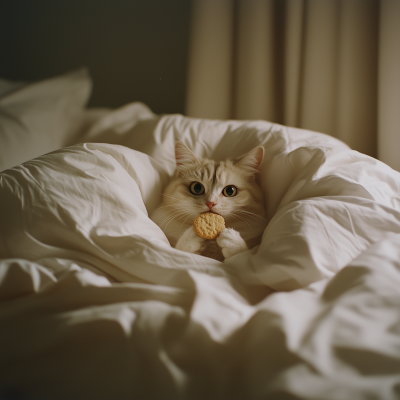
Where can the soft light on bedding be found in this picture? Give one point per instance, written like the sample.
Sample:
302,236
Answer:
95,303
39,117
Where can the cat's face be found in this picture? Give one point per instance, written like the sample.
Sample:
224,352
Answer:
226,188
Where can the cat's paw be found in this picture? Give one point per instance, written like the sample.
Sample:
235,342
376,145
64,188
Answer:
190,241
231,242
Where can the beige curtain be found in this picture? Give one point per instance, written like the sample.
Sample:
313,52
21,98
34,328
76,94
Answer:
331,66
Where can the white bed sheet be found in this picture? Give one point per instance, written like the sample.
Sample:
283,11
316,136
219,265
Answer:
96,304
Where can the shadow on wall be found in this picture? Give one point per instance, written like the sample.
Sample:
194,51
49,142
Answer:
136,50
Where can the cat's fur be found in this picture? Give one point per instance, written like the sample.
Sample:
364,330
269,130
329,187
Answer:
244,213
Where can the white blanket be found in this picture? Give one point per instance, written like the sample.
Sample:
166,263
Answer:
94,302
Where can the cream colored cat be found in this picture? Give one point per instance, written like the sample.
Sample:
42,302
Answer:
227,188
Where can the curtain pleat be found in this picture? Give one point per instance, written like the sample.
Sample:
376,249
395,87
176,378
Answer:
389,84
307,63
209,86
293,60
318,82
356,118
255,77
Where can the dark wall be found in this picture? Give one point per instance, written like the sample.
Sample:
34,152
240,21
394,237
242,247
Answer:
134,49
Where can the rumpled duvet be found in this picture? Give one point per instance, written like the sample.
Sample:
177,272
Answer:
96,304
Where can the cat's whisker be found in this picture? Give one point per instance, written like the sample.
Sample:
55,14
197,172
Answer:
175,212
168,216
186,218
176,216
249,212
171,205
176,208
258,218
167,221
231,215
239,218
170,197
247,215
262,223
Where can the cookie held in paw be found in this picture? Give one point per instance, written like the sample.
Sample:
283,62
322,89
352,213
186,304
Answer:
209,225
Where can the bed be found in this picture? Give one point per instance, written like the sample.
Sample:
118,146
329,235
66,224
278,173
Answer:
94,302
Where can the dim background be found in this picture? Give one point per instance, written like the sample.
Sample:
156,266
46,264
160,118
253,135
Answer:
134,49
331,66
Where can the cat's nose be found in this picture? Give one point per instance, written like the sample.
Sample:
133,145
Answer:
210,204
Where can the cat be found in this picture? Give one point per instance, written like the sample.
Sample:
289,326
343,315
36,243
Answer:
228,188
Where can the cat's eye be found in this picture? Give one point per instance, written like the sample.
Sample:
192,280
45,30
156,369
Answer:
197,188
229,191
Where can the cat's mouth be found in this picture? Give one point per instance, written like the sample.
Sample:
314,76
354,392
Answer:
214,212
211,211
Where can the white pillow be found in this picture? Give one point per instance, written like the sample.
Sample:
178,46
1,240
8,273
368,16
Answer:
6,87
40,117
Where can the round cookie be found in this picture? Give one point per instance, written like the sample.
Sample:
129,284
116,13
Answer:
209,225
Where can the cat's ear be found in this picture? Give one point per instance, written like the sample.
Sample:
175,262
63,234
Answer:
251,161
183,155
